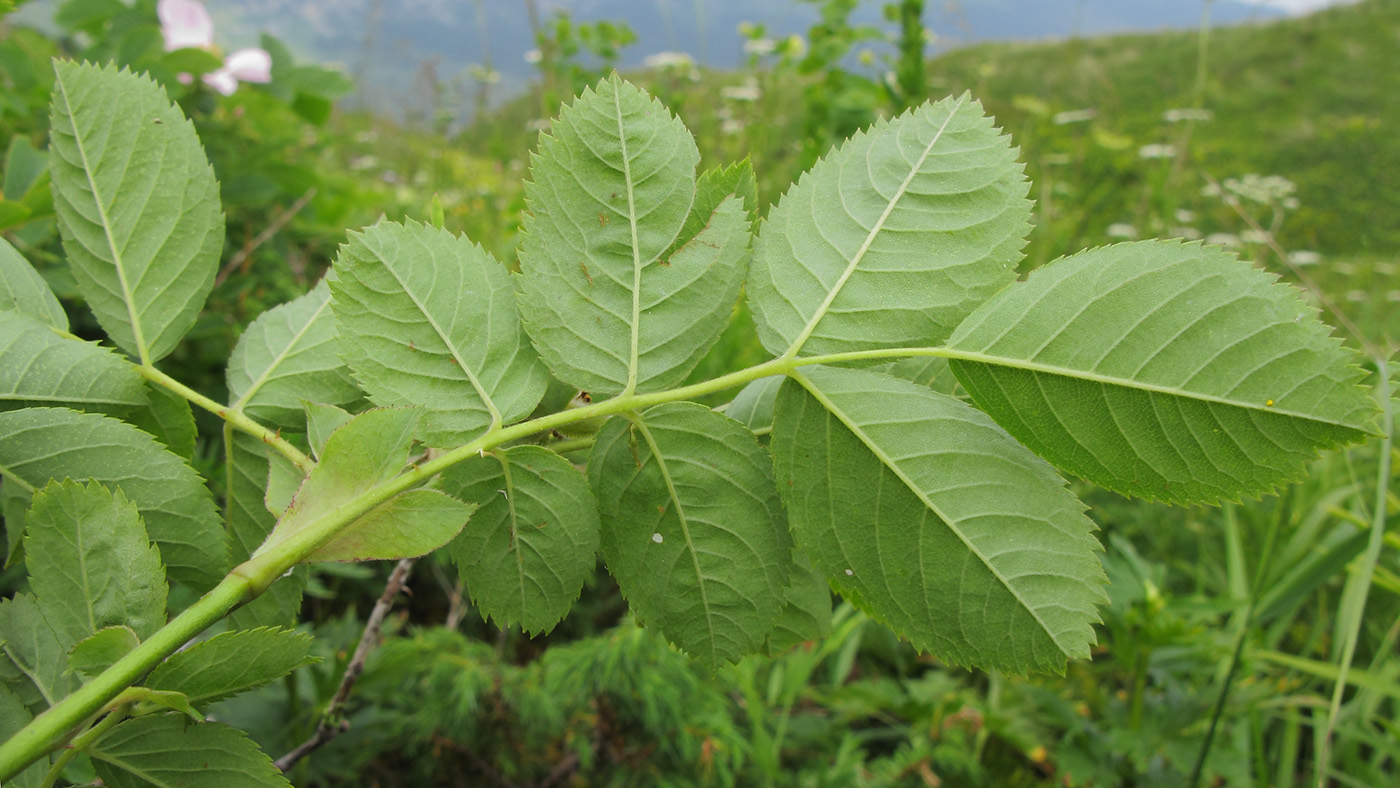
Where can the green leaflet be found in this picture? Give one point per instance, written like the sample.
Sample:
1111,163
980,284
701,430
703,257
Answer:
248,523
533,541
23,290
39,367
39,444
290,353
1163,370
428,319
920,509
169,751
692,528
168,417
894,238
13,716
232,662
611,188
321,421
90,563
806,613
753,405
101,650
369,450
37,667
137,205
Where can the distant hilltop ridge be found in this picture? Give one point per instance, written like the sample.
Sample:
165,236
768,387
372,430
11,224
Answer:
385,43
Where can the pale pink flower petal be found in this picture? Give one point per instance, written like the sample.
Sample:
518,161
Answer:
249,65
185,24
222,80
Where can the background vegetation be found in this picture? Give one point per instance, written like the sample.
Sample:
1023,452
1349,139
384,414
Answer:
1219,657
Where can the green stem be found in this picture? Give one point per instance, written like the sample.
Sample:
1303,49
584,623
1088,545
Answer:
274,559
233,416
80,743
45,732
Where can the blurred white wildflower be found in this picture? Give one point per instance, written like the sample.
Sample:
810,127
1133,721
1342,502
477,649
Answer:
366,162
1392,296
185,24
760,46
1255,237
1074,116
484,75
1263,189
1189,233
749,91
534,56
1345,269
1178,115
1384,269
1184,216
538,124
662,61
389,176
1223,239
731,126
1157,151
367,136
1122,230
1304,257
1357,296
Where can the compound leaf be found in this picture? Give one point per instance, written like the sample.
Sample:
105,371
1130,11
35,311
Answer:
290,353
894,238
23,290
39,367
921,510
533,542
90,562
232,662
169,751
137,203
1163,370
40,444
611,188
692,527
428,319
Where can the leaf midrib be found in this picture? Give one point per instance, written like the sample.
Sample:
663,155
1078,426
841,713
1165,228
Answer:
909,484
685,529
496,419
875,230
633,362
1154,388
127,297
281,356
